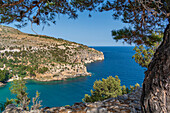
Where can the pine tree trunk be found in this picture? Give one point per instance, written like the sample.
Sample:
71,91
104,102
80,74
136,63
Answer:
156,86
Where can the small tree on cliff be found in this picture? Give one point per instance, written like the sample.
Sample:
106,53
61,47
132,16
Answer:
19,88
104,89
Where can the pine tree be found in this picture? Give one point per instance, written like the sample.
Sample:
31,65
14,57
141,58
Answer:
42,11
146,17
144,54
104,89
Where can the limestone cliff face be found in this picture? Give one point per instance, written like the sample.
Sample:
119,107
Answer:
43,58
61,72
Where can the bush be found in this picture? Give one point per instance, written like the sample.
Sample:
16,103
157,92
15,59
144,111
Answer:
42,70
4,75
104,89
126,90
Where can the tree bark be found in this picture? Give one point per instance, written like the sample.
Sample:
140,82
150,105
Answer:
156,86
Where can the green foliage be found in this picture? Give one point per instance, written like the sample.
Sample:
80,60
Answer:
143,16
144,54
36,103
19,88
104,89
134,87
124,90
2,48
4,75
42,70
108,88
29,62
127,90
137,85
3,105
1,65
42,11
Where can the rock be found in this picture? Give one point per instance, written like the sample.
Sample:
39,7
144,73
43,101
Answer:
34,111
124,97
2,84
128,103
11,108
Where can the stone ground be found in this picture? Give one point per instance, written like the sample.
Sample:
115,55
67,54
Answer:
128,103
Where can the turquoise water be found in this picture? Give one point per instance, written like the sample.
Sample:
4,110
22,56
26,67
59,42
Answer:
118,61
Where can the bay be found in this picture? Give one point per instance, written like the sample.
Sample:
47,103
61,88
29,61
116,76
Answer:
118,61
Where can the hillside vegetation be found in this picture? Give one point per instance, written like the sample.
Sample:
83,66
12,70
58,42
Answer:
41,57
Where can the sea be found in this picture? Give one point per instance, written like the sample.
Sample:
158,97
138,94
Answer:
118,61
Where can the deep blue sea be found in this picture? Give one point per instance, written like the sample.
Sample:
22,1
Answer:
118,61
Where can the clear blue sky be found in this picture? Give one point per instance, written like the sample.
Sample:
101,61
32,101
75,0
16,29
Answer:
94,31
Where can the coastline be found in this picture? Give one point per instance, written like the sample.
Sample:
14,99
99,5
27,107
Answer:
44,58
63,77
47,80
58,78
2,84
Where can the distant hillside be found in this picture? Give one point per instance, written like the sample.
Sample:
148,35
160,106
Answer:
41,57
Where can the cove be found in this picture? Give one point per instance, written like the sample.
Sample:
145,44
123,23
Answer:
118,61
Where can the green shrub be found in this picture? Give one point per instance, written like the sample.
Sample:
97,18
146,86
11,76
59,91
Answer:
4,75
42,70
1,65
108,88
134,87
104,89
56,75
124,90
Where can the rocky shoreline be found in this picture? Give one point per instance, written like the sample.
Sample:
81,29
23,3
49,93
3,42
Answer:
47,80
50,76
2,84
57,79
128,103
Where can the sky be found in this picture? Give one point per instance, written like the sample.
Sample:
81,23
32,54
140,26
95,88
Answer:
90,31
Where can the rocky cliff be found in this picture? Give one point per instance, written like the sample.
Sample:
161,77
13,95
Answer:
43,58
